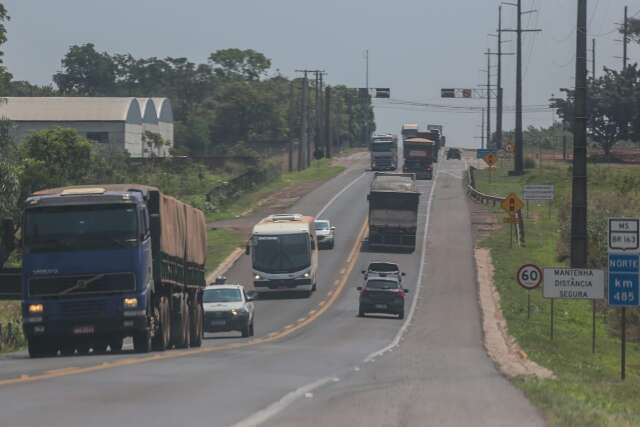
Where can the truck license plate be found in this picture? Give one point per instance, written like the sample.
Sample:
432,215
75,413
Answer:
83,330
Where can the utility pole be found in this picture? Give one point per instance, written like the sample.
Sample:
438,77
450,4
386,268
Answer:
367,133
579,189
625,38
593,59
306,110
500,92
327,121
482,144
488,98
519,153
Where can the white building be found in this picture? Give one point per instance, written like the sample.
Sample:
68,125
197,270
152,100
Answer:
165,121
118,122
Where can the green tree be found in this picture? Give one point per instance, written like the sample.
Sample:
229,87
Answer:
86,72
54,158
612,107
240,64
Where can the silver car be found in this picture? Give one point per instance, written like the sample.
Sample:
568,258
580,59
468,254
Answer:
325,233
228,308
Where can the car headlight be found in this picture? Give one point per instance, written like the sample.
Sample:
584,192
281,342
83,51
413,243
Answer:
257,277
238,311
36,308
306,275
130,302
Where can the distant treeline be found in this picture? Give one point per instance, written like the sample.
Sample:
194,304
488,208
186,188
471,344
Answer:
232,99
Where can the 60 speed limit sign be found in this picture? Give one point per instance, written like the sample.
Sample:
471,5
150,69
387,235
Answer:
529,276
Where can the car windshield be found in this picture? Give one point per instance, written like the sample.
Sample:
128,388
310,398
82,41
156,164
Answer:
281,254
222,295
80,227
382,284
322,225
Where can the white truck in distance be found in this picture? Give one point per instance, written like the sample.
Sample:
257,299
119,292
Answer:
284,254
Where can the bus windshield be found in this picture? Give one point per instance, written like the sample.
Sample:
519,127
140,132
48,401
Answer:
81,227
281,254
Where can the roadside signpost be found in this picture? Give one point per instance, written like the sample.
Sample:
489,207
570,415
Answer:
490,159
529,277
512,204
574,283
509,147
624,272
539,193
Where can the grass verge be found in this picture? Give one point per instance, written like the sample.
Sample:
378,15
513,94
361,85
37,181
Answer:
587,391
320,170
221,243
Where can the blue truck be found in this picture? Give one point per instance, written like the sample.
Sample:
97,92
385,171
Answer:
102,263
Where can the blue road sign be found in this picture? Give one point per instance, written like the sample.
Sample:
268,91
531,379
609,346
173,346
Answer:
624,280
481,153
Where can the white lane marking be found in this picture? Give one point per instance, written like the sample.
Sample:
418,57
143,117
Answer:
340,193
264,414
414,303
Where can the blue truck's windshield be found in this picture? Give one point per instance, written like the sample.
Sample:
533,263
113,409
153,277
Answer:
281,254
80,227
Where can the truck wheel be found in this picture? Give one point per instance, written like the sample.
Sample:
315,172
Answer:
251,330
42,348
361,312
185,327
142,342
161,339
83,348
401,314
67,349
196,326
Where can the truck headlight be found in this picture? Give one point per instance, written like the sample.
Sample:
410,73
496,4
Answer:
306,275
130,302
36,308
257,277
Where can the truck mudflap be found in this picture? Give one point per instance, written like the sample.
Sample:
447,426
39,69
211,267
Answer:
392,239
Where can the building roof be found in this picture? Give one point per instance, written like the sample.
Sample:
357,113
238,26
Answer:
71,109
163,109
148,109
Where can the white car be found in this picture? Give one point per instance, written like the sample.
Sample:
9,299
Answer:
325,233
228,308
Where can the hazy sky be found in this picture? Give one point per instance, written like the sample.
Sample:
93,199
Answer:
416,46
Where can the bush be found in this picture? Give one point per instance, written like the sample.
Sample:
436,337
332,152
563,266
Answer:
529,163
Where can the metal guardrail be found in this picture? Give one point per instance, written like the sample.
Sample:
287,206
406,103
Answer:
494,200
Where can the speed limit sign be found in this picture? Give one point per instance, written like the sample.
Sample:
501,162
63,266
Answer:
529,276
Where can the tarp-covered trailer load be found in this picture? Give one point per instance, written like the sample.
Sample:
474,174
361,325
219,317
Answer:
393,211
135,254
418,157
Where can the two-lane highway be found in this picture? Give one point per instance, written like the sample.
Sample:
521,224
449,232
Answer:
298,342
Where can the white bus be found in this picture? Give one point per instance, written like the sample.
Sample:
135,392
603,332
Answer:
284,254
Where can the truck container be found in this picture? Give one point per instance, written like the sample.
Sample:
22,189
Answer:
383,151
418,157
101,263
393,211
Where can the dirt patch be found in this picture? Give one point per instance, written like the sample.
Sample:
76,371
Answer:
501,347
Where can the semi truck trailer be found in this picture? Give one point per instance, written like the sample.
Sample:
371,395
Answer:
418,157
106,262
393,211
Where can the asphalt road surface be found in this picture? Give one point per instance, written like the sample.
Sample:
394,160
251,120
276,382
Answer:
306,364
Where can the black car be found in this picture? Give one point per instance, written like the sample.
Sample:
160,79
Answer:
382,293
454,153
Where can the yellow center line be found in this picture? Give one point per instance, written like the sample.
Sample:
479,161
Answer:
274,336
